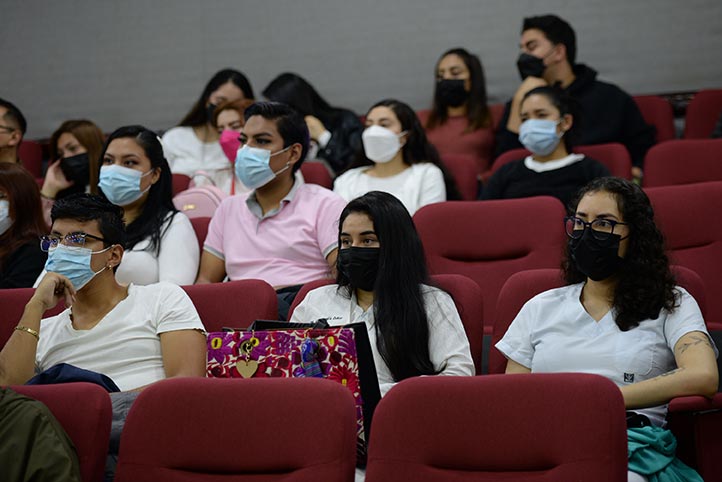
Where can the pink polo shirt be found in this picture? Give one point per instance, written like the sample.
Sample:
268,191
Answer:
287,246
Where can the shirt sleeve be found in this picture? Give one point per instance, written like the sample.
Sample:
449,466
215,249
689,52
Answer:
327,216
175,310
448,345
496,185
433,189
686,318
214,239
516,344
179,254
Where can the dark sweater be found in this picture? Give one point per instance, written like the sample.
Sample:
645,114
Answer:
608,114
515,180
22,267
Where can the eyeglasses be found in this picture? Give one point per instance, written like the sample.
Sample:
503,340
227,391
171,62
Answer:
75,240
601,228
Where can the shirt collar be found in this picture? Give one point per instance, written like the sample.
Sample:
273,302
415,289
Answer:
537,166
255,208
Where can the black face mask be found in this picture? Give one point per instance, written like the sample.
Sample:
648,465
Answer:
76,169
530,66
360,266
210,110
452,92
598,260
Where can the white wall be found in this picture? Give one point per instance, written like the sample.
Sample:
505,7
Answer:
134,61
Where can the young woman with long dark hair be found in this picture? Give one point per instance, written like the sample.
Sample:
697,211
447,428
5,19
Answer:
397,158
382,280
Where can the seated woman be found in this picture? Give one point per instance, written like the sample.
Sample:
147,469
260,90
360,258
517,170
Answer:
398,159
75,146
193,145
228,119
414,328
621,315
335,132
21,223
459,122
547,115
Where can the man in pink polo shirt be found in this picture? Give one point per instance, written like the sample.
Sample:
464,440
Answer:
283,232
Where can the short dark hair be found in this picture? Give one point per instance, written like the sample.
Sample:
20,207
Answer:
91,207
14,115
558,31
289,122
566,104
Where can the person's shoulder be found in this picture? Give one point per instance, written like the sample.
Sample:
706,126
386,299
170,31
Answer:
161,289
318,193
350,174
590,164
177,133
426,167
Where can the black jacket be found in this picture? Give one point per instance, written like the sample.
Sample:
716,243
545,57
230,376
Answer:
345,128
608,115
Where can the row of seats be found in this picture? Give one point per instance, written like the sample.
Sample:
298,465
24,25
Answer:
496,427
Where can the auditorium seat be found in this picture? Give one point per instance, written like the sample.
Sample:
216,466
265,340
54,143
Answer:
683,161
13,303
463,169
233,304
491,240
180,183
703,112
658,112
467,298
31,155
230,430
525,428
200,226
315,172
84,410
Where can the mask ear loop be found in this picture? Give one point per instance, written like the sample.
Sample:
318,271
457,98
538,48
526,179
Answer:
288,164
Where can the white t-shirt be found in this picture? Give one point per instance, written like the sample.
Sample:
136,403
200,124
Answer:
418,185
448,345
177,260
125,344
554,333
187,155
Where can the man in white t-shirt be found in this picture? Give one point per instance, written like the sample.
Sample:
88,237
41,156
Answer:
136,335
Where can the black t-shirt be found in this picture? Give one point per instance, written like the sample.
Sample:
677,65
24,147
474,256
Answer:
22,267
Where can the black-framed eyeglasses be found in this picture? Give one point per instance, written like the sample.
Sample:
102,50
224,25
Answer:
75,240
601,228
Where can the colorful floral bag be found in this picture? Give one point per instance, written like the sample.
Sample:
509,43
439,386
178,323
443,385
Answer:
306,352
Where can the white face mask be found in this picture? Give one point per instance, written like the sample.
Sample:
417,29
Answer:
381,144
5,219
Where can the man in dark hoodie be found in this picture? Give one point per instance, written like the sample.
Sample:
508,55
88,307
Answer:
608,114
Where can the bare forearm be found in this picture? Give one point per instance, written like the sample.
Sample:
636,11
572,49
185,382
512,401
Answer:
676,383
17,358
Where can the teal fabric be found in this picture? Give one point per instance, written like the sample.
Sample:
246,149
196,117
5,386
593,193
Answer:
651,453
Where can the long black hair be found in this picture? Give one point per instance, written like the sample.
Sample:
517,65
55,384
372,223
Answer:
294,90
152,222
477,109
401,324
198,115
645,285
417,147
565,104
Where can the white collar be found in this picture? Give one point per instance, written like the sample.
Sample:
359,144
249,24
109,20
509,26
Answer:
537,166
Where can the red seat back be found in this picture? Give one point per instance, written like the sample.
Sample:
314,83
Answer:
234,304
214,430
316,173
84,410
463,169
180,183
31,155
683,161
489,241
13,303
541,427
703,112
200,226
658,112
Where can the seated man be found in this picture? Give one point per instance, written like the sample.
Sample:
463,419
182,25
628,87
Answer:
12,130
136,335
283,232
548,46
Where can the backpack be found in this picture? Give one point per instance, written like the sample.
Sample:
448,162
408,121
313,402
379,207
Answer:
198,202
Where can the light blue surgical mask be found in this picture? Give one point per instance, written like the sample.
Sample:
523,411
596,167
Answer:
73,262
121,185
540,136
253,166
5,219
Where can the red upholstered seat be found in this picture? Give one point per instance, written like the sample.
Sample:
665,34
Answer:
84,410
12,305
224,430
200,226
316,173
489,241
234,304
31,155
689,218
683,161
613,155
703,112
658,112
542,427
463,170
180,183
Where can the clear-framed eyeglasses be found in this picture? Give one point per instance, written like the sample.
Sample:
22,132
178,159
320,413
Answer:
601,228
75,240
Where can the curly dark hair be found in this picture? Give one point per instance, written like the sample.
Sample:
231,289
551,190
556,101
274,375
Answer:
645,285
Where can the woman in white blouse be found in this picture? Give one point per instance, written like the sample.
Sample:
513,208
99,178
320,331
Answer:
397,158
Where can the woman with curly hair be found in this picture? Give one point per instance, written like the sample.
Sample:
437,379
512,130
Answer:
621,315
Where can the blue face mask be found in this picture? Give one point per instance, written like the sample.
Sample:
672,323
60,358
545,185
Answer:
73,262
539,136
121,185
253,168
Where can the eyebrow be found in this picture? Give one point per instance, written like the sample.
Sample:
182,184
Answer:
527,43
599,216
